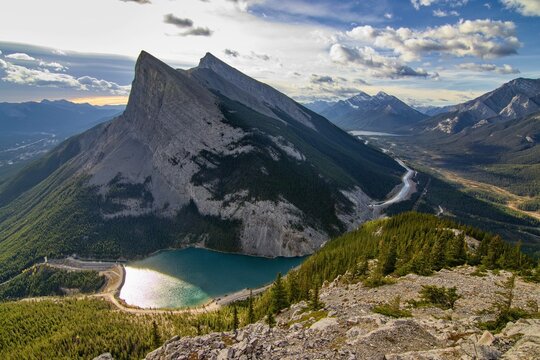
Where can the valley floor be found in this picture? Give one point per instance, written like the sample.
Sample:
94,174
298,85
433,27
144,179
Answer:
348,328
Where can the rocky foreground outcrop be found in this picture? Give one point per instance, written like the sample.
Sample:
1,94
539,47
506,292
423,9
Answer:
347,327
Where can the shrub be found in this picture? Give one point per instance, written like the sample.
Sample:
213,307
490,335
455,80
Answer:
392,309
504,310
441,297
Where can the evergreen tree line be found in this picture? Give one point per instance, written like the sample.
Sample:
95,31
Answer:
378,250
406,243
42,280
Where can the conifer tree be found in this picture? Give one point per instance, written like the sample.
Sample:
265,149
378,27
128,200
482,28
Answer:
235,319
437,255
156,339
279,295
455,251
270,320
251,313
387,259
293,287
315,303
494,251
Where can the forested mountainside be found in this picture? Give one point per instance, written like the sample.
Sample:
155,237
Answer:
161,175
367,269
505,154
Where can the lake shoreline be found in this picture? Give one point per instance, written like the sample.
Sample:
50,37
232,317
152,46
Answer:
195,276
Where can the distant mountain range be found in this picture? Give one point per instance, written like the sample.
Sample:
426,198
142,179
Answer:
431,110
28,130
493,139
319,105
60,117
381,112
515,99
207,156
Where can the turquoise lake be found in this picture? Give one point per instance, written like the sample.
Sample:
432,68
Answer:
191,277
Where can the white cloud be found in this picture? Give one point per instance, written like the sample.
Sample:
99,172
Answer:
22,75
377,64
138,1
504,69
59,52
53,65
91,83
452,3
20,56
524,7
321,79
292,45
444,13
480,38
389,16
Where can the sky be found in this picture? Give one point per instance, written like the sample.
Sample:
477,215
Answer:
426,52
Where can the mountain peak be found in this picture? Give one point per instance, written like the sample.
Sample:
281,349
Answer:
361,96
209,61
148,60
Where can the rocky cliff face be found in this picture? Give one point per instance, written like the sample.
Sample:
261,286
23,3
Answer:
348,328
227,148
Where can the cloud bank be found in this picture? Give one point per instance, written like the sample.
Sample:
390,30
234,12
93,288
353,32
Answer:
524,7
22,75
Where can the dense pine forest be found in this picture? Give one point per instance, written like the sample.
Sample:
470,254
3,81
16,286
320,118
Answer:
42,280
375,254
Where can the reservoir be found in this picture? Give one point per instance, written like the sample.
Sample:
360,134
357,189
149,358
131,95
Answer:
193,276
370,133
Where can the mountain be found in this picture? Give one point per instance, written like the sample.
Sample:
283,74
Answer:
381,112
517,98
28,130
491,139
431,110
319,105
206,156
502,153
59,117
350,299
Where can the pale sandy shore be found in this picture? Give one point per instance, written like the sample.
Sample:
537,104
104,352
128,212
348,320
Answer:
115,275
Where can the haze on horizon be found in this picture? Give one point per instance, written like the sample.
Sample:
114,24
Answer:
430,52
